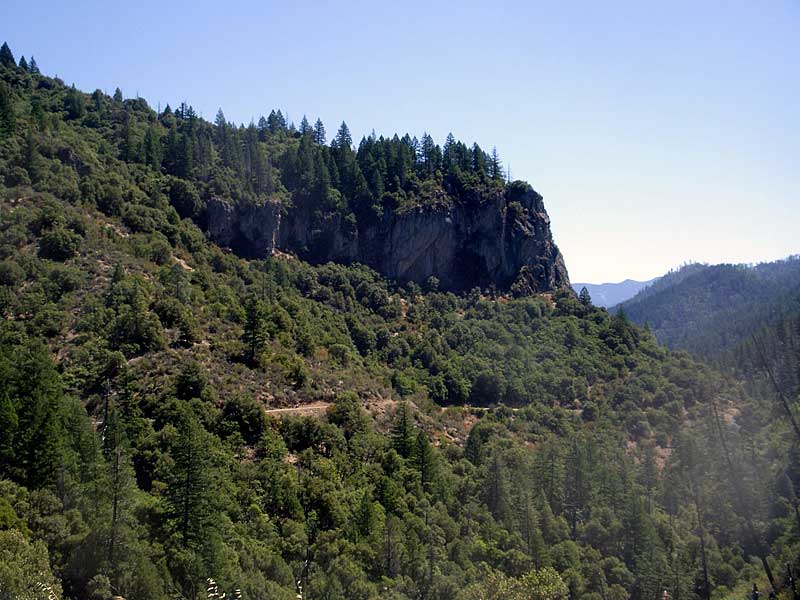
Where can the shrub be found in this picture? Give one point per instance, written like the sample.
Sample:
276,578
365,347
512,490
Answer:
59,243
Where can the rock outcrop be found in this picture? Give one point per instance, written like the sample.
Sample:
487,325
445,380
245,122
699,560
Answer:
499,240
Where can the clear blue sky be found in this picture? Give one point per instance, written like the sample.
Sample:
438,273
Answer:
658,132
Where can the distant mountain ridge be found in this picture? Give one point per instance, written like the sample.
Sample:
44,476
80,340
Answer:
710,310
610,294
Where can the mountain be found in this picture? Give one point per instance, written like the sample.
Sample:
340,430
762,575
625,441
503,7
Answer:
710,310
196,399
610,294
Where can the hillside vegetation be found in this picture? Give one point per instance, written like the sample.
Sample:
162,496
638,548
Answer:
710,311
463,446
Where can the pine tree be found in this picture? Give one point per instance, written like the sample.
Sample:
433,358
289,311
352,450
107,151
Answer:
319,133
6,57
118,96
585,297
23,64
38,440
263,129
424,461
495,166
33,68
402,433
152,148
343,138
255,332
496,489
478,161
119,487
189,489
305,127
7,118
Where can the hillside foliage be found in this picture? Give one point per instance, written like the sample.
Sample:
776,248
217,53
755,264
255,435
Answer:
463,446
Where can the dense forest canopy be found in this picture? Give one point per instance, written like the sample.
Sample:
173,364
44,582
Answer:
711,310
177,421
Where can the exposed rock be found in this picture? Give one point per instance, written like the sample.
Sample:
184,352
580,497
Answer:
250,231
502,240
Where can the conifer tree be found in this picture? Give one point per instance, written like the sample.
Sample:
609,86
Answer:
343,138
74,104
188,491
152,148
585,297
38,440
495,166
118,96
33,68
23,64
496,489
319,133
8,421
7,118
424,460
263,129
118,488
305,127
255,332
6,57
402,433
478,161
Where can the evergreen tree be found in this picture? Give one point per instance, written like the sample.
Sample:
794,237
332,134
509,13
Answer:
495,166
118,96
424,461
478,161
35,389
7,118
585,297
118,488
319,133
189,488
23,64
152,148
305,127
276,122
343,139
496,489
402,433
33,68
74,104
6,57
263,129
8,421
255,331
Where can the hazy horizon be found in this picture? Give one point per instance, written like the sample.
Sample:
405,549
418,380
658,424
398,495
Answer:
657,135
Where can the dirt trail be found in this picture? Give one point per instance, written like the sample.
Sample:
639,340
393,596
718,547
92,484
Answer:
304,409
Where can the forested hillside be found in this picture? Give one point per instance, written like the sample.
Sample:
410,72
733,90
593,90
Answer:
711,310
172,412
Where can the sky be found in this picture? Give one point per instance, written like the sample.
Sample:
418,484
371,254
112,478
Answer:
657,132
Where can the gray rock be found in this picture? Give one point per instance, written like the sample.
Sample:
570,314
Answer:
500,240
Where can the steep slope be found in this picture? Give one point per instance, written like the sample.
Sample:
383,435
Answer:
611,294
710,310
457,446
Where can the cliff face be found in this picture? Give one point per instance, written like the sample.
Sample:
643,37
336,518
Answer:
501,240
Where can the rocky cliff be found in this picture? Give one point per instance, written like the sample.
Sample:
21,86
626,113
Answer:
500,239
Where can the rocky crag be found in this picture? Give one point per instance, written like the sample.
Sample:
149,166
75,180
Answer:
499,240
